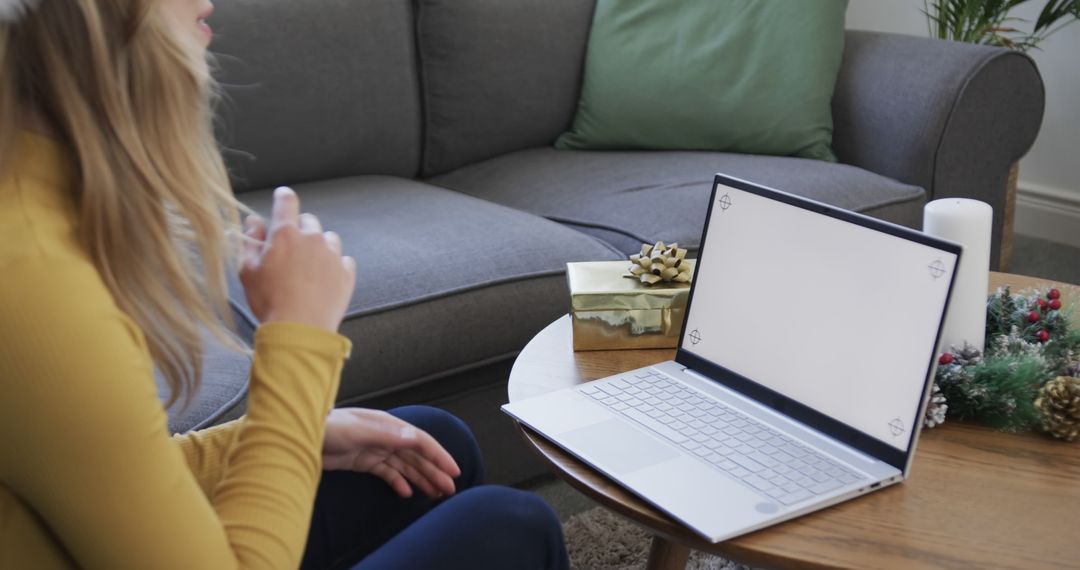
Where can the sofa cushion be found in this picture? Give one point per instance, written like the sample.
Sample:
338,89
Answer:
445,282
627,198
499,75
317,90
221,395
749,77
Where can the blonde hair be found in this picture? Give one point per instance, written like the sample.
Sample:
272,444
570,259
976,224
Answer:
133,105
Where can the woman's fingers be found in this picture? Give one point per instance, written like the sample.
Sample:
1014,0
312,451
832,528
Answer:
297,277
413,439
394,444
437,477
430,448
310,224
286,210
394,478
333,241
413,475
423,473
409,438
254,236
254,226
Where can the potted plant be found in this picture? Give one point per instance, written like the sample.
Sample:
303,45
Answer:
988,21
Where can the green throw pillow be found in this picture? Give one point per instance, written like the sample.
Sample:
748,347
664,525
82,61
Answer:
748,76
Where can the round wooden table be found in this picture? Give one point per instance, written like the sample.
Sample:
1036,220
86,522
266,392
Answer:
976,498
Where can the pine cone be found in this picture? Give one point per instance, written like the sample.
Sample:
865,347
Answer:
1059,402
936,408
969,354
660,262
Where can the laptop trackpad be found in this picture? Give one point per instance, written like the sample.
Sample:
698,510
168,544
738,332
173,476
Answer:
616,447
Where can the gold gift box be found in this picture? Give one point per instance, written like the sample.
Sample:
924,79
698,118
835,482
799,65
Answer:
610,311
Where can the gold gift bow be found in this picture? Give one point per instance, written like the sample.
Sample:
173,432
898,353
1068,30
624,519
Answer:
659,262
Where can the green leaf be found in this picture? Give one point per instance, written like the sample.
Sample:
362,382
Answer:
983,21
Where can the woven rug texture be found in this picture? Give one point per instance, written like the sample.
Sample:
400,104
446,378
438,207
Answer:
598,539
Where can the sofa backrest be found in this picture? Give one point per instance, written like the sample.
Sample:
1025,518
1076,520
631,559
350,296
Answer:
498,75
317,90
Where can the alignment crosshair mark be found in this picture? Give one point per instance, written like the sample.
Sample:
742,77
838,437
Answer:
937,269
725,202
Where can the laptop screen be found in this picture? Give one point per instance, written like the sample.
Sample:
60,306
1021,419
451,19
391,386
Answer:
821,306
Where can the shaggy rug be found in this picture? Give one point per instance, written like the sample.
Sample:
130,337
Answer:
600,540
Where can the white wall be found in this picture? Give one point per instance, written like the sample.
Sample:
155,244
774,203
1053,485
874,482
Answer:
1048,203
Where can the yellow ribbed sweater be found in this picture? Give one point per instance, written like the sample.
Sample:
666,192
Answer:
89,474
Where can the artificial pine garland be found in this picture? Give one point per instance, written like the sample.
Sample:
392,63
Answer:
1028,344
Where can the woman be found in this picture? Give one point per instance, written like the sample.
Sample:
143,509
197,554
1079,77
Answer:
116,232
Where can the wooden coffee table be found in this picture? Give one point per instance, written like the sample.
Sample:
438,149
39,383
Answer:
977,498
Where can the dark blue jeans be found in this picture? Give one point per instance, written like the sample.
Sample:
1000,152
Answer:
360,523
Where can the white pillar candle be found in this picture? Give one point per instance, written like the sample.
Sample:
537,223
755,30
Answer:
969,223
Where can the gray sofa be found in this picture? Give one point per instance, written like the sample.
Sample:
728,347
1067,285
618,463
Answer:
421,131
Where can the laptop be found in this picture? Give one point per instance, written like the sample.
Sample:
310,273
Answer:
803,369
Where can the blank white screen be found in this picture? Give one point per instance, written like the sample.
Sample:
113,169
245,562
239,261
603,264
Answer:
839,317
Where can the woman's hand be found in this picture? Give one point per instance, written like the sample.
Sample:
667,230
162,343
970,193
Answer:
373,441
297,272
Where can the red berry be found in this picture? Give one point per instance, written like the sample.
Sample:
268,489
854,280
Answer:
1053,294
1033,316
1042,304
1043,336
1055,304
946,358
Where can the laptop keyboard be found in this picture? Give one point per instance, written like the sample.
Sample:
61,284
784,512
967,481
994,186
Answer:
733,442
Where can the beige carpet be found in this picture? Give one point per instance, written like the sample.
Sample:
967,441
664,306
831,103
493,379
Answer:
600,540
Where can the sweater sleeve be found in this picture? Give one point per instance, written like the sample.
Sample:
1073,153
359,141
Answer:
205,451
86,444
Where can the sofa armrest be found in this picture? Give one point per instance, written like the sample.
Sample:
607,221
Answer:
949,117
